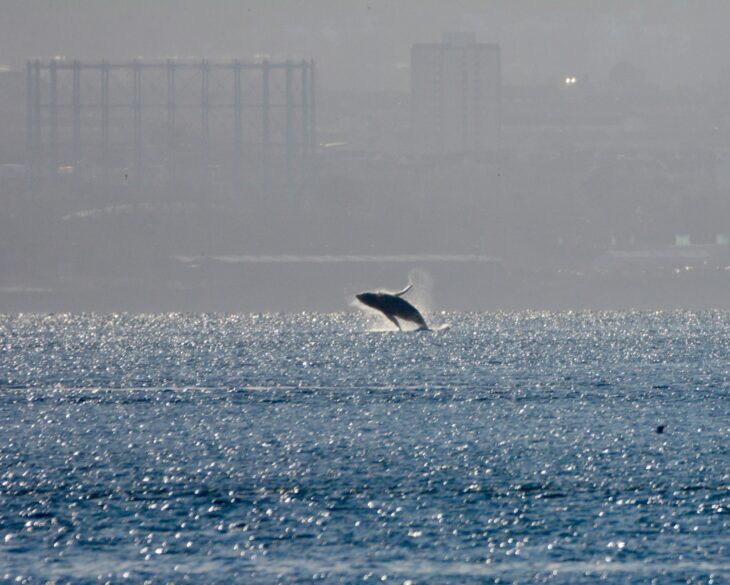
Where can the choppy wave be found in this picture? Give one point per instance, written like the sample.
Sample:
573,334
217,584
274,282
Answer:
286,448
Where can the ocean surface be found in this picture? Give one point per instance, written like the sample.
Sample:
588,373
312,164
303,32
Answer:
296,448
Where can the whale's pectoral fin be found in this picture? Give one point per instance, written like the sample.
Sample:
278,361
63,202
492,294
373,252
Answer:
393,320
404,291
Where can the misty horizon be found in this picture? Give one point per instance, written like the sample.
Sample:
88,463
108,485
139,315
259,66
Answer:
583,149
365,46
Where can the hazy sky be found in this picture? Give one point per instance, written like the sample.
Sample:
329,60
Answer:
559,200
364,44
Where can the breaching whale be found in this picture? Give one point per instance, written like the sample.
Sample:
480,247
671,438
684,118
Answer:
394,307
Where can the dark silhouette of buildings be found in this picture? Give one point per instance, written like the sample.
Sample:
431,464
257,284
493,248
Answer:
455,95
245,123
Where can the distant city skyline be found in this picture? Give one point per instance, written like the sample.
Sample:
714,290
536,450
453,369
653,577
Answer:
455,95
365,45
609,174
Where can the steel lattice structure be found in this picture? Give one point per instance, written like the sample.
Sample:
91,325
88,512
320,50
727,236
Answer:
250,121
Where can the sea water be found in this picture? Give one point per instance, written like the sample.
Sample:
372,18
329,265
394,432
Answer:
520,448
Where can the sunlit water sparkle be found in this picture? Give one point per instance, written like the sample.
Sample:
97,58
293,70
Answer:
290,448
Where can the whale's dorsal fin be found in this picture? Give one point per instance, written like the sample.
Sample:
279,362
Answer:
404,291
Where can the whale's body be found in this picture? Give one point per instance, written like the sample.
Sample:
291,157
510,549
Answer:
394,307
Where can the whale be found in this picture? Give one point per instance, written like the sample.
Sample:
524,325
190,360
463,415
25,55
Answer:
394,307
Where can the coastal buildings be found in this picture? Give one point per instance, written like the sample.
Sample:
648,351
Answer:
455,95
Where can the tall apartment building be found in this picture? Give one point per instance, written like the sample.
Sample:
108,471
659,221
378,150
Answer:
455,95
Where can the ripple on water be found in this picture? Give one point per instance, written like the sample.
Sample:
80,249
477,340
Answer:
514,446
